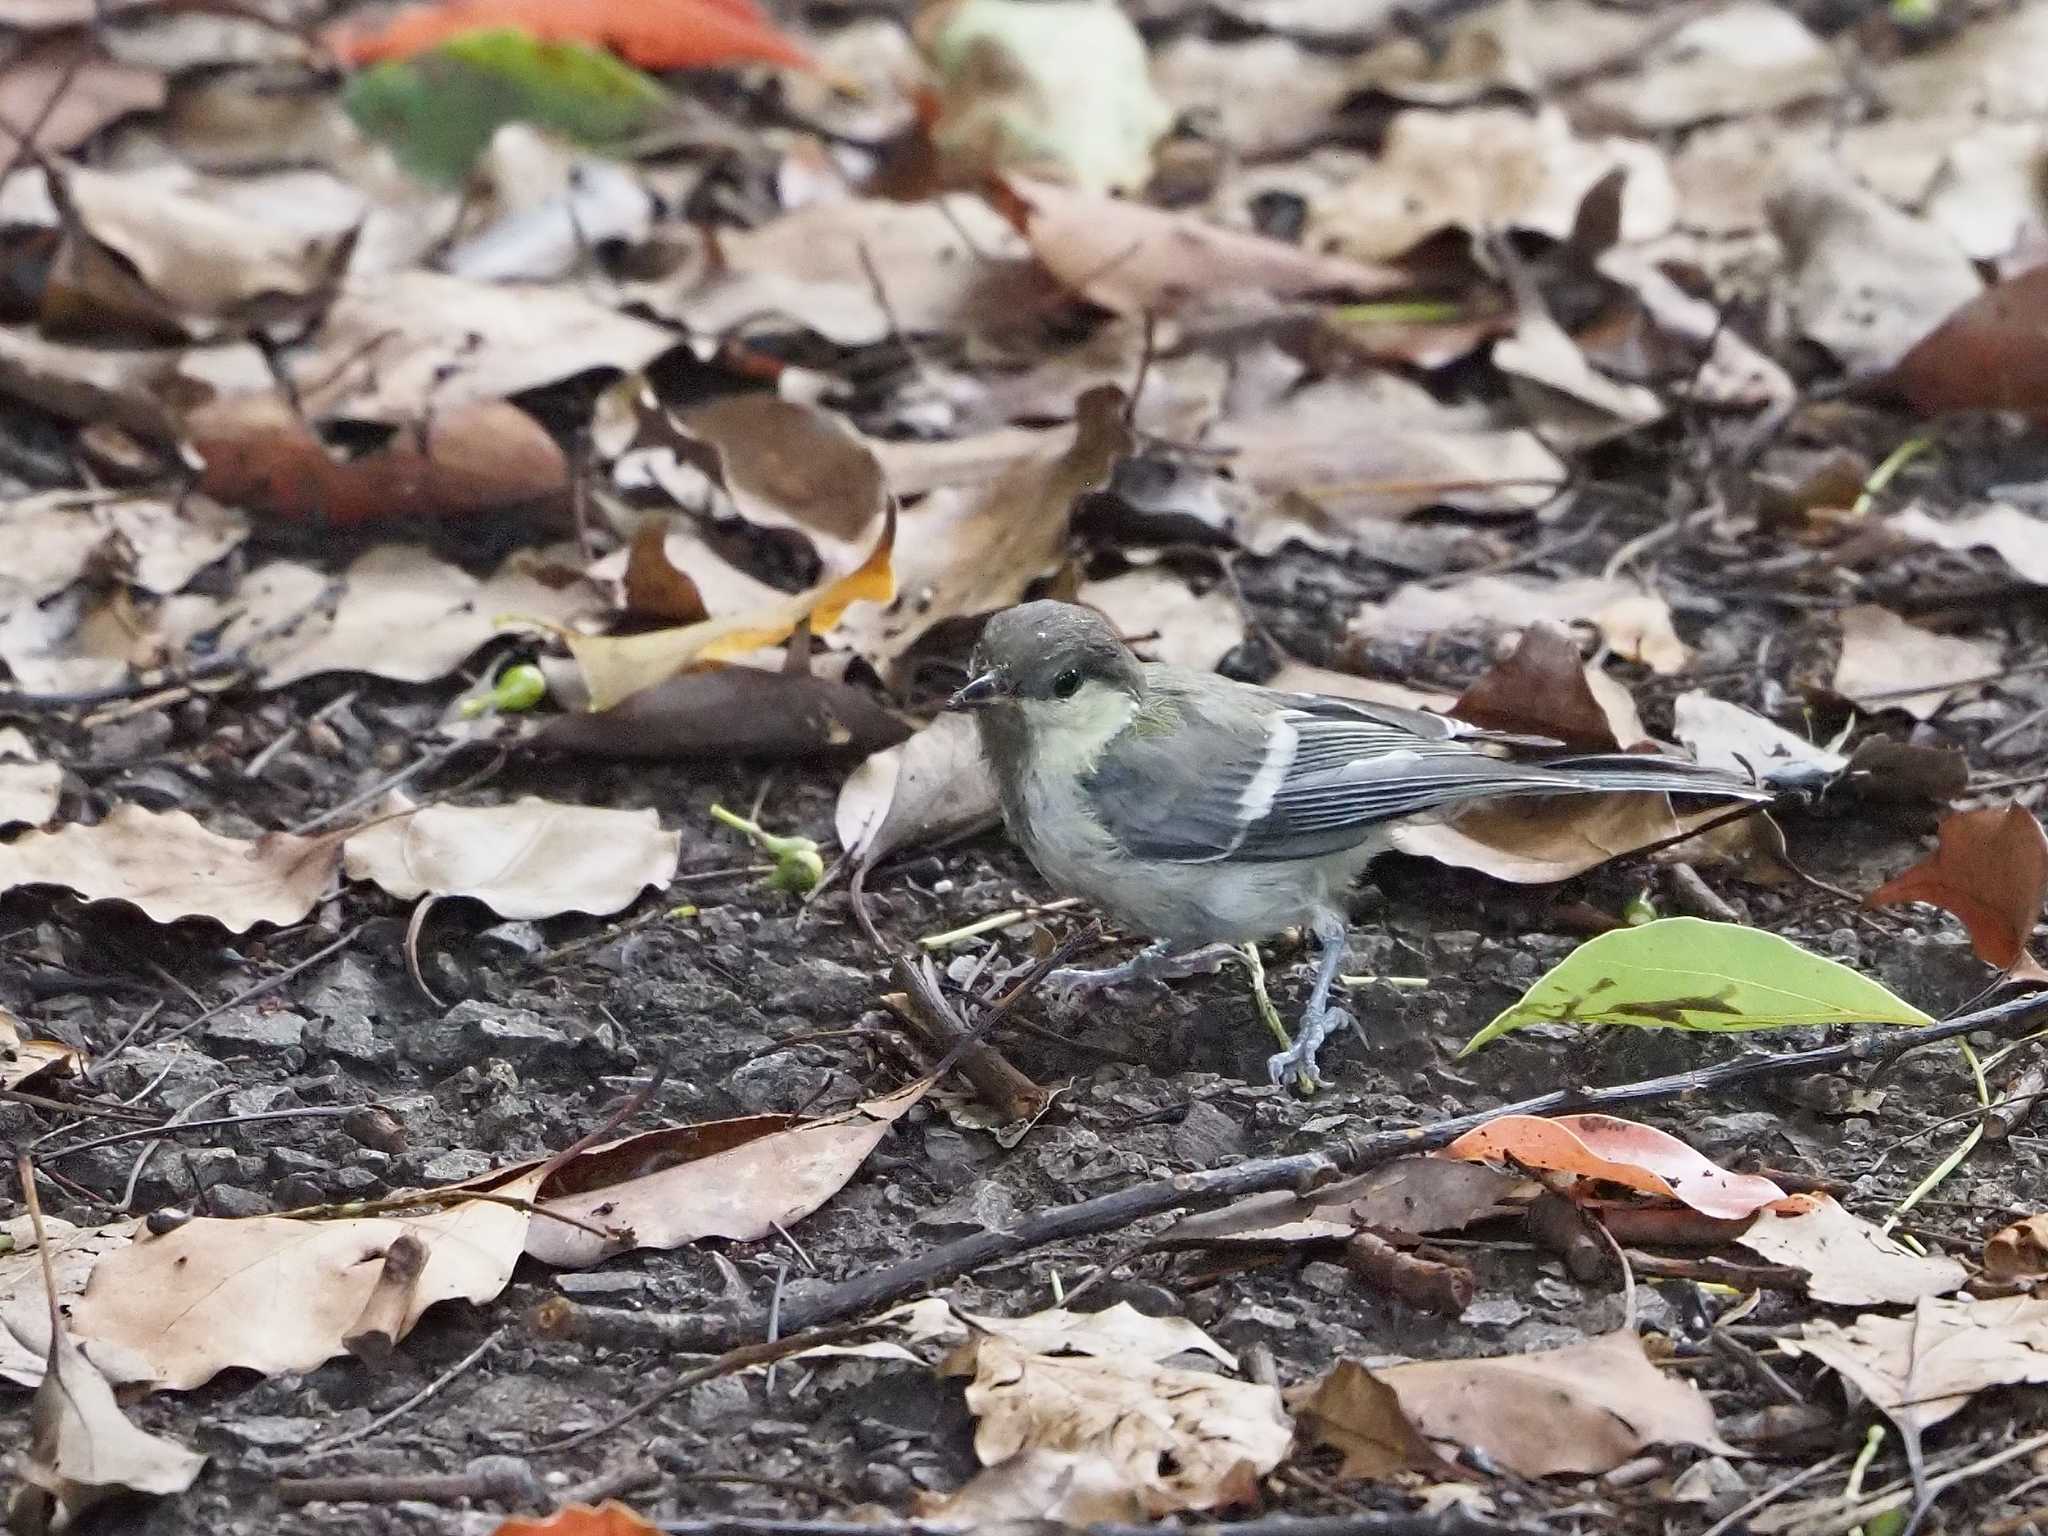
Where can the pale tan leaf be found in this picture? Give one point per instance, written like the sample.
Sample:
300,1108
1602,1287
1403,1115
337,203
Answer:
70,88
1724,735
933,787
1299,677
1882,653
25,1309
532,858
1038,1485
737,1179
1733,61
1635,623
2019,538
1540,839
1164,619
1848,1261
1582,1409
1922,1368
1115,1332
277,1293
171,867
29,790
1415,1195
1182,1439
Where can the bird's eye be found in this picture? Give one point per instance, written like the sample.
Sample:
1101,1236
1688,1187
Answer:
1067,684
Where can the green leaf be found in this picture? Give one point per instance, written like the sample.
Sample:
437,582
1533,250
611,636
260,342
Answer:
1686,973
438,110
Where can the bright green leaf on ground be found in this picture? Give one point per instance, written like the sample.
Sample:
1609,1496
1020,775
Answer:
1685,973
438,110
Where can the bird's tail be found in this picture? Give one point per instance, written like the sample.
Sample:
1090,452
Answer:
1649,774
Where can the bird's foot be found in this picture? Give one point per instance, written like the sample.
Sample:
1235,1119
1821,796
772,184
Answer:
1298,1061
1149,965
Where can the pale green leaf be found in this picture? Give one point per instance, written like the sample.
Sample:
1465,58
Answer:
1686,973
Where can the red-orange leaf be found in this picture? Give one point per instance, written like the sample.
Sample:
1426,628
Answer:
1622,1152
1990,868
671,34
613,1519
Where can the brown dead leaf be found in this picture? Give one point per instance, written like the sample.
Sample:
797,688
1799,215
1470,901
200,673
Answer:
1989,868
1869,280
532,858
25,1060
277,1293
1733,61
810,270
136,256
1882,654
654,586
736,712
1921,1369
618,666
1544,689
1412,1195
1582,1409
973,551
932,788
171,867
24,1303
1636,624
1033,1486
1134,259
82,1450
737,1179
401,613
1616,1151
1848,1261
1165,620
2019,1251
1182,1439
2019,538
1541,839
1988,354
486,456
91,89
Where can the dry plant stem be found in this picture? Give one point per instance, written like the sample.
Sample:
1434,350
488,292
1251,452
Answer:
2022,1095
1000,1085
1309,1170
1749,1277
617,1327
407,1487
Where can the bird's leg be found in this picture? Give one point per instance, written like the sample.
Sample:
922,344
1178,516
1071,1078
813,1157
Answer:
1319,1020
1156,962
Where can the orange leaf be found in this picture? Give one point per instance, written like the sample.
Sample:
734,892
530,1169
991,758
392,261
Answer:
674,34
1623,1152
1990,869
614,1519
1988,355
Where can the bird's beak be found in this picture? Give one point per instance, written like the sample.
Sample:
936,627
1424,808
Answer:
979,693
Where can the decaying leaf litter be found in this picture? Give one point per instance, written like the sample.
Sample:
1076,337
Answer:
474,1057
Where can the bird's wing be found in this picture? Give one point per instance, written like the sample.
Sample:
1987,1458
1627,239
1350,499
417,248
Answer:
1261,776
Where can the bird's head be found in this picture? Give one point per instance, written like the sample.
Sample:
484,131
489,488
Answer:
1052,667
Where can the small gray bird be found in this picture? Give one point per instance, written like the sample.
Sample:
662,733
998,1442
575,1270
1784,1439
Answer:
1207,813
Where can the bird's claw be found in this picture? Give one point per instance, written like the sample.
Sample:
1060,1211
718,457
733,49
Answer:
1074,981
1298,1061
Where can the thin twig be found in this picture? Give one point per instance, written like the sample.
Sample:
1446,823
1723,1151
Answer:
330,1446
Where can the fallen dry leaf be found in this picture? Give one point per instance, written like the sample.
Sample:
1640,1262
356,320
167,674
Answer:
1134,259
1986,354
1165,620
1920,1369
973,551
171,867
732,712
618,666
67,89
2019,538
1724,735
1037,1485
1734,61
1636,624
24,1303
1538,840
83,1451
1989,868
608,1519
29,790
1116,1331
401,613
1299,677
2018,1251
1586,1408
1616,1151
1182,1439
279,1293
1414,1195
737,1179
487,456
532,858
1883,655
930,789
1848,1261
25,1059
1544,689
1869,281
157,543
